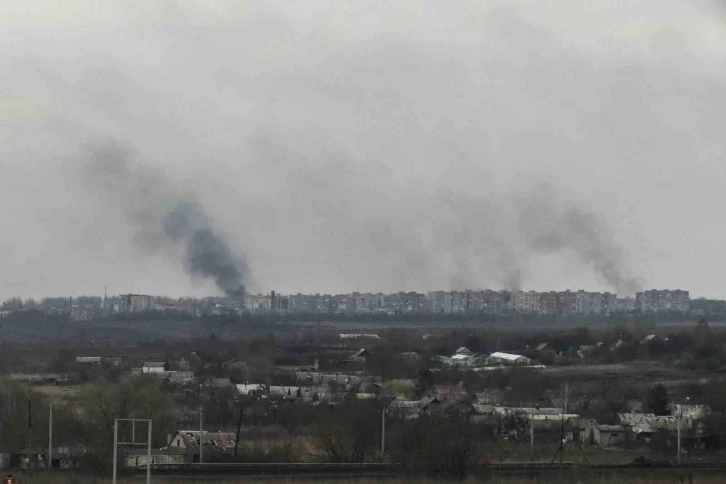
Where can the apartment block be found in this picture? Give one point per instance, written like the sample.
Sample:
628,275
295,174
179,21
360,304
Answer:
548,302
134,303
655,301
566,302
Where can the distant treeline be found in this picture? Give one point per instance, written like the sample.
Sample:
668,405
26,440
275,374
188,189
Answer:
513,318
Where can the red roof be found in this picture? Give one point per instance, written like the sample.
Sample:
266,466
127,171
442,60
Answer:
449,390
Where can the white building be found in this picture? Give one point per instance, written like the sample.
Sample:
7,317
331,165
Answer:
501,358
154,367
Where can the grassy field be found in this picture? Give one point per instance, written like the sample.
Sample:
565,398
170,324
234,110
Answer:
586,477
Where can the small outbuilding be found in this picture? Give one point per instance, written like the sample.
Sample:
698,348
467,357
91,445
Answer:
610,434
501,358
360,356
464,351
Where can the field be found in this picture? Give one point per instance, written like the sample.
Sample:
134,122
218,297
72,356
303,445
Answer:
111,333
587,477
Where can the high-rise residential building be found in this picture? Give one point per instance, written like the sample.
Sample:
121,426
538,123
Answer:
475,301
566,302
588,302
378,302
258,302
655,301
609,303
362,302
342,304
457,302
300,303
527,301
418,302
439,302
625,305
510,300
309,303
408,302
134,303
498,302
548,302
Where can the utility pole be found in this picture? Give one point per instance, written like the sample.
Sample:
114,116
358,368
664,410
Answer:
116,443
115,450
680,416
561,448
383,426
562,442
680,412
239,426
201,435
30,434
383,431
148,455
50,436
531,440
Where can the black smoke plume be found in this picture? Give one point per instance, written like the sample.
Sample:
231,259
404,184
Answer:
165,216
550,224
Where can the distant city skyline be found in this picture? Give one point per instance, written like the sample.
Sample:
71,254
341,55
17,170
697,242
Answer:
214,294
569,302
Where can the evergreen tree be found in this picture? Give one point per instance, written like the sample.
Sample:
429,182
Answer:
658,400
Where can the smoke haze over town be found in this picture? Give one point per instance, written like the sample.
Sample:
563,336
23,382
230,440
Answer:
310,147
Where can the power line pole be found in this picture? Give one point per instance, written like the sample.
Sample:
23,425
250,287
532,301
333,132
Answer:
50,436
561,448
680,412
383,431
148,455
239,426
562,441
115,450
30,434
201,435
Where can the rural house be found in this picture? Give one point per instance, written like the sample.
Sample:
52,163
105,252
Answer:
154,367
500,358
464,351
360,356
609,434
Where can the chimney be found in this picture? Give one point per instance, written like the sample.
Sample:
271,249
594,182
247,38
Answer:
272,301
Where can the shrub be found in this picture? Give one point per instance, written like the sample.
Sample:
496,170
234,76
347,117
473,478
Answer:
437,446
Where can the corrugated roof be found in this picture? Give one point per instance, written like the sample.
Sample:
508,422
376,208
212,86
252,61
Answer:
508,356
649,338
247,388
612,428
449,389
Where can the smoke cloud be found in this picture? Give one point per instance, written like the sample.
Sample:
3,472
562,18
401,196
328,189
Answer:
550,224
164,217
422,235
337,147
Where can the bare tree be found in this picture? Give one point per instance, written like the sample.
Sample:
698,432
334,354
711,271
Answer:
347,433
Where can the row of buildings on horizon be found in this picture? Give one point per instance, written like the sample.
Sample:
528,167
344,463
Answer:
436,302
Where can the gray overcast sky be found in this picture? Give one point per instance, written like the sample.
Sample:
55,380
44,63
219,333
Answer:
342,146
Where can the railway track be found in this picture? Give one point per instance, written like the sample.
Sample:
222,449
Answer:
350,470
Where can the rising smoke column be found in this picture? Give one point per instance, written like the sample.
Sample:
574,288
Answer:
489,236
164,217
430,235
550,224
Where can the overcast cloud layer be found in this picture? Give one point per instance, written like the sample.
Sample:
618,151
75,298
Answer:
333,147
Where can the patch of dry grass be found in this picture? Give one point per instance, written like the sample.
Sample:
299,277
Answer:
656,477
